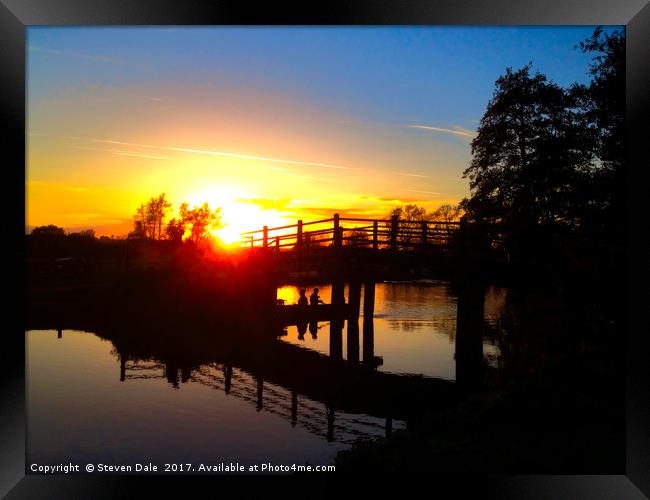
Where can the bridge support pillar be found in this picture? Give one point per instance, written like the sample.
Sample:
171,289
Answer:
228,379
469,335
171,372
368,322
354,300
122,368
336,323
336,337
353,340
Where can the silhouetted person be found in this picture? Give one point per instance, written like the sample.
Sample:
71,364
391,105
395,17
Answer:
302,329
302,299
313,329
314,299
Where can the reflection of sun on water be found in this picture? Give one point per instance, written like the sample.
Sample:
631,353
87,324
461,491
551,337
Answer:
237,215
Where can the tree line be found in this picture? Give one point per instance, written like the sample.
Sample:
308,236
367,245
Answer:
194,223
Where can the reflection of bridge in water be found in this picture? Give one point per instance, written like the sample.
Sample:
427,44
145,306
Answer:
317,418
351,385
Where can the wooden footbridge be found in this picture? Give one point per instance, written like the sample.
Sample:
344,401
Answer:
376,234
356,253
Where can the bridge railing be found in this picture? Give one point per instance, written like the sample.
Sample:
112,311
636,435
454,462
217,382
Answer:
339,231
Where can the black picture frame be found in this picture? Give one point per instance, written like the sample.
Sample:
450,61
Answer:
16,15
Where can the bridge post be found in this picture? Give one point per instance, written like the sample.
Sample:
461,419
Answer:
228,379
368,299
394,226
252,243
171,372
336,339
469,335
375,235
299,234
277,243
424,233
368,322
336,323
122,368
354,300
337,232
265,231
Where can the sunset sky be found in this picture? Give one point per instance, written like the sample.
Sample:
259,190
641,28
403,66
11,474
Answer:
272,124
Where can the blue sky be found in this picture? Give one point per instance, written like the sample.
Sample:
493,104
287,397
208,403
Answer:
408,74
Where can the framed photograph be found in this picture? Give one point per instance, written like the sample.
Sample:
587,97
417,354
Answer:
387,240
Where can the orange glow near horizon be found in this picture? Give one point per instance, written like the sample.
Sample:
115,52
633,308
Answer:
237,215
267,162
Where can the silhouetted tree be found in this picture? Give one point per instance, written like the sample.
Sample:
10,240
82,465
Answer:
87,234
603,102
149,218
138,232
532,147
410,219
445,213
158,207
200,220
49,231
175,230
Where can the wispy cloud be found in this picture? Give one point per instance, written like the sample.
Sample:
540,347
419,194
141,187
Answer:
407,174
216,153
140,155
137,154
78,55
261,158
455,130
239,155
423,192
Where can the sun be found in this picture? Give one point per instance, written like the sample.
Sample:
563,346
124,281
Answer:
239,213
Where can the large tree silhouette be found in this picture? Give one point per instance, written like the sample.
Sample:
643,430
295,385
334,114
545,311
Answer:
532,147
545,155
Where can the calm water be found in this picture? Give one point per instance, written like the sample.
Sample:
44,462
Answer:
414,326
80,411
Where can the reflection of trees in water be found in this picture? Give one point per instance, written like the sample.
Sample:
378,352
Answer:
444,326
536,334
416,300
